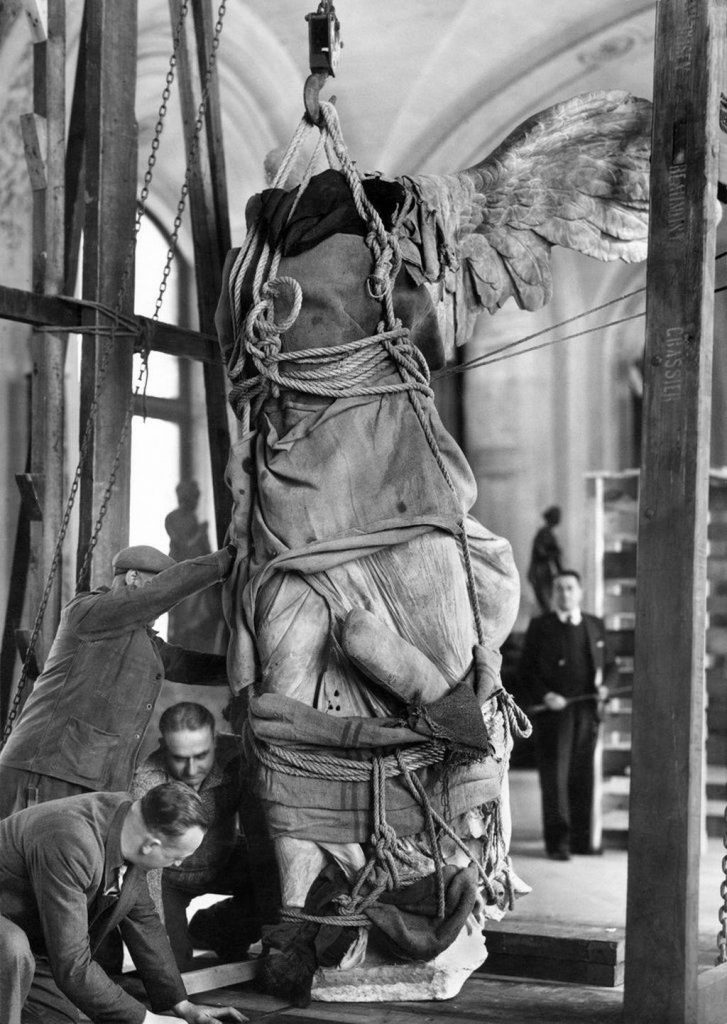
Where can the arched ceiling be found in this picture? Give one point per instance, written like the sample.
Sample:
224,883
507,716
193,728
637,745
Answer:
423,85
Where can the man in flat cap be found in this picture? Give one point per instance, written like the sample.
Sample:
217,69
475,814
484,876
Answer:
82,726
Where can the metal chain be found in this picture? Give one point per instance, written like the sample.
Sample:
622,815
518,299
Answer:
140,211
171,253
722,934
191,158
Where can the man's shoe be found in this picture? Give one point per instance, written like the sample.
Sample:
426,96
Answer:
558,855
588,851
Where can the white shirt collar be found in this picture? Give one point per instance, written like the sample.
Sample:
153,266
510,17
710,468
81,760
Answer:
574,617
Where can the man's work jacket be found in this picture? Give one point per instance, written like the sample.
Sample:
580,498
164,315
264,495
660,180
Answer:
59,866
86,717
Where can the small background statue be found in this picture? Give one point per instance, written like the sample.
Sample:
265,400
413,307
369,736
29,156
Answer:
196,622
546,560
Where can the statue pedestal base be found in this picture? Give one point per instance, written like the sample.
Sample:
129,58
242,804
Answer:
377,980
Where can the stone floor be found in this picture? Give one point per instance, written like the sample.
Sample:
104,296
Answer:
591,890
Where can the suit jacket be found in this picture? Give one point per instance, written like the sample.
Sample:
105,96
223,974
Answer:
86,717
542,666
58,869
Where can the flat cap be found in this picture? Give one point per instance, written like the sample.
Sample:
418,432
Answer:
142,557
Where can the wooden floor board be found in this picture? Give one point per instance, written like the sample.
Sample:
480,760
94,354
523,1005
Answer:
485,1000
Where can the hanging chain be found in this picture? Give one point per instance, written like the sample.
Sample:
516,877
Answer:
722,934
121,295
172,250
191,158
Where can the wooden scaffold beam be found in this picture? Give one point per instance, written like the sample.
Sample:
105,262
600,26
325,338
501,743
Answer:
665,821
210,223
110,172
44,141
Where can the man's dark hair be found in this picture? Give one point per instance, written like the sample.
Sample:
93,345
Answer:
186,715
569,572
173,808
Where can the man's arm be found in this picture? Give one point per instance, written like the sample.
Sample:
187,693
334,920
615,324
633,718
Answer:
148,942
152,955
60,867
184,666
117,610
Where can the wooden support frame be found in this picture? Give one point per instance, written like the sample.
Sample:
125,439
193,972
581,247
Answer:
68,314
661,982
210,230
108,270
44,137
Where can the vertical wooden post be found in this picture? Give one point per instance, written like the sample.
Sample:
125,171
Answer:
668,714
211,233
44,134
108,267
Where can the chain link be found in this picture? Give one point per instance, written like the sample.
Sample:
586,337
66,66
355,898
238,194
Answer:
191,158
722,934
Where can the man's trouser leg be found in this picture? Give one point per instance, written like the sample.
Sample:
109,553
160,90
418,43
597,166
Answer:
28,993
553,738
581,781
175,901
231,925
17,966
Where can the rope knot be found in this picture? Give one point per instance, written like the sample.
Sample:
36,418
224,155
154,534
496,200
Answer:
516,721
384,838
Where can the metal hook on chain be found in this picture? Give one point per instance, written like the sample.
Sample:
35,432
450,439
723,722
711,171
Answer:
324,50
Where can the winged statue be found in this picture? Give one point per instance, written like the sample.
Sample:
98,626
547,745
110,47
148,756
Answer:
367,606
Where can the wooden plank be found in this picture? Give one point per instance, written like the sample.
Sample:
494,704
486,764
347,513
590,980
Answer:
668,712
67,313
37,14
108,272
204,32
482,999
204,979
44,133
14,608
76,165
711,987
579,972
35,143
211,234
556,941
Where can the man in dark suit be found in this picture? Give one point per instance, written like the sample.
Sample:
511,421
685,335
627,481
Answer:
564,669
70,871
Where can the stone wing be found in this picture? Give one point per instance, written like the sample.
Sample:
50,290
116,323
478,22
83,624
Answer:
575,175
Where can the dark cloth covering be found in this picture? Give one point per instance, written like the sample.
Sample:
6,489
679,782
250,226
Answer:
326,208
405,923
304,946
406,919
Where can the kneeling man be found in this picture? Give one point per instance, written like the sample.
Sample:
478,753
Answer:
73,869
192,752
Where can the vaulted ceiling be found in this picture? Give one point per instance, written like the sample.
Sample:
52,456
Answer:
423,85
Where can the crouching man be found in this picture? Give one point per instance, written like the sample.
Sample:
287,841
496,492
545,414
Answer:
70,871
191,752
